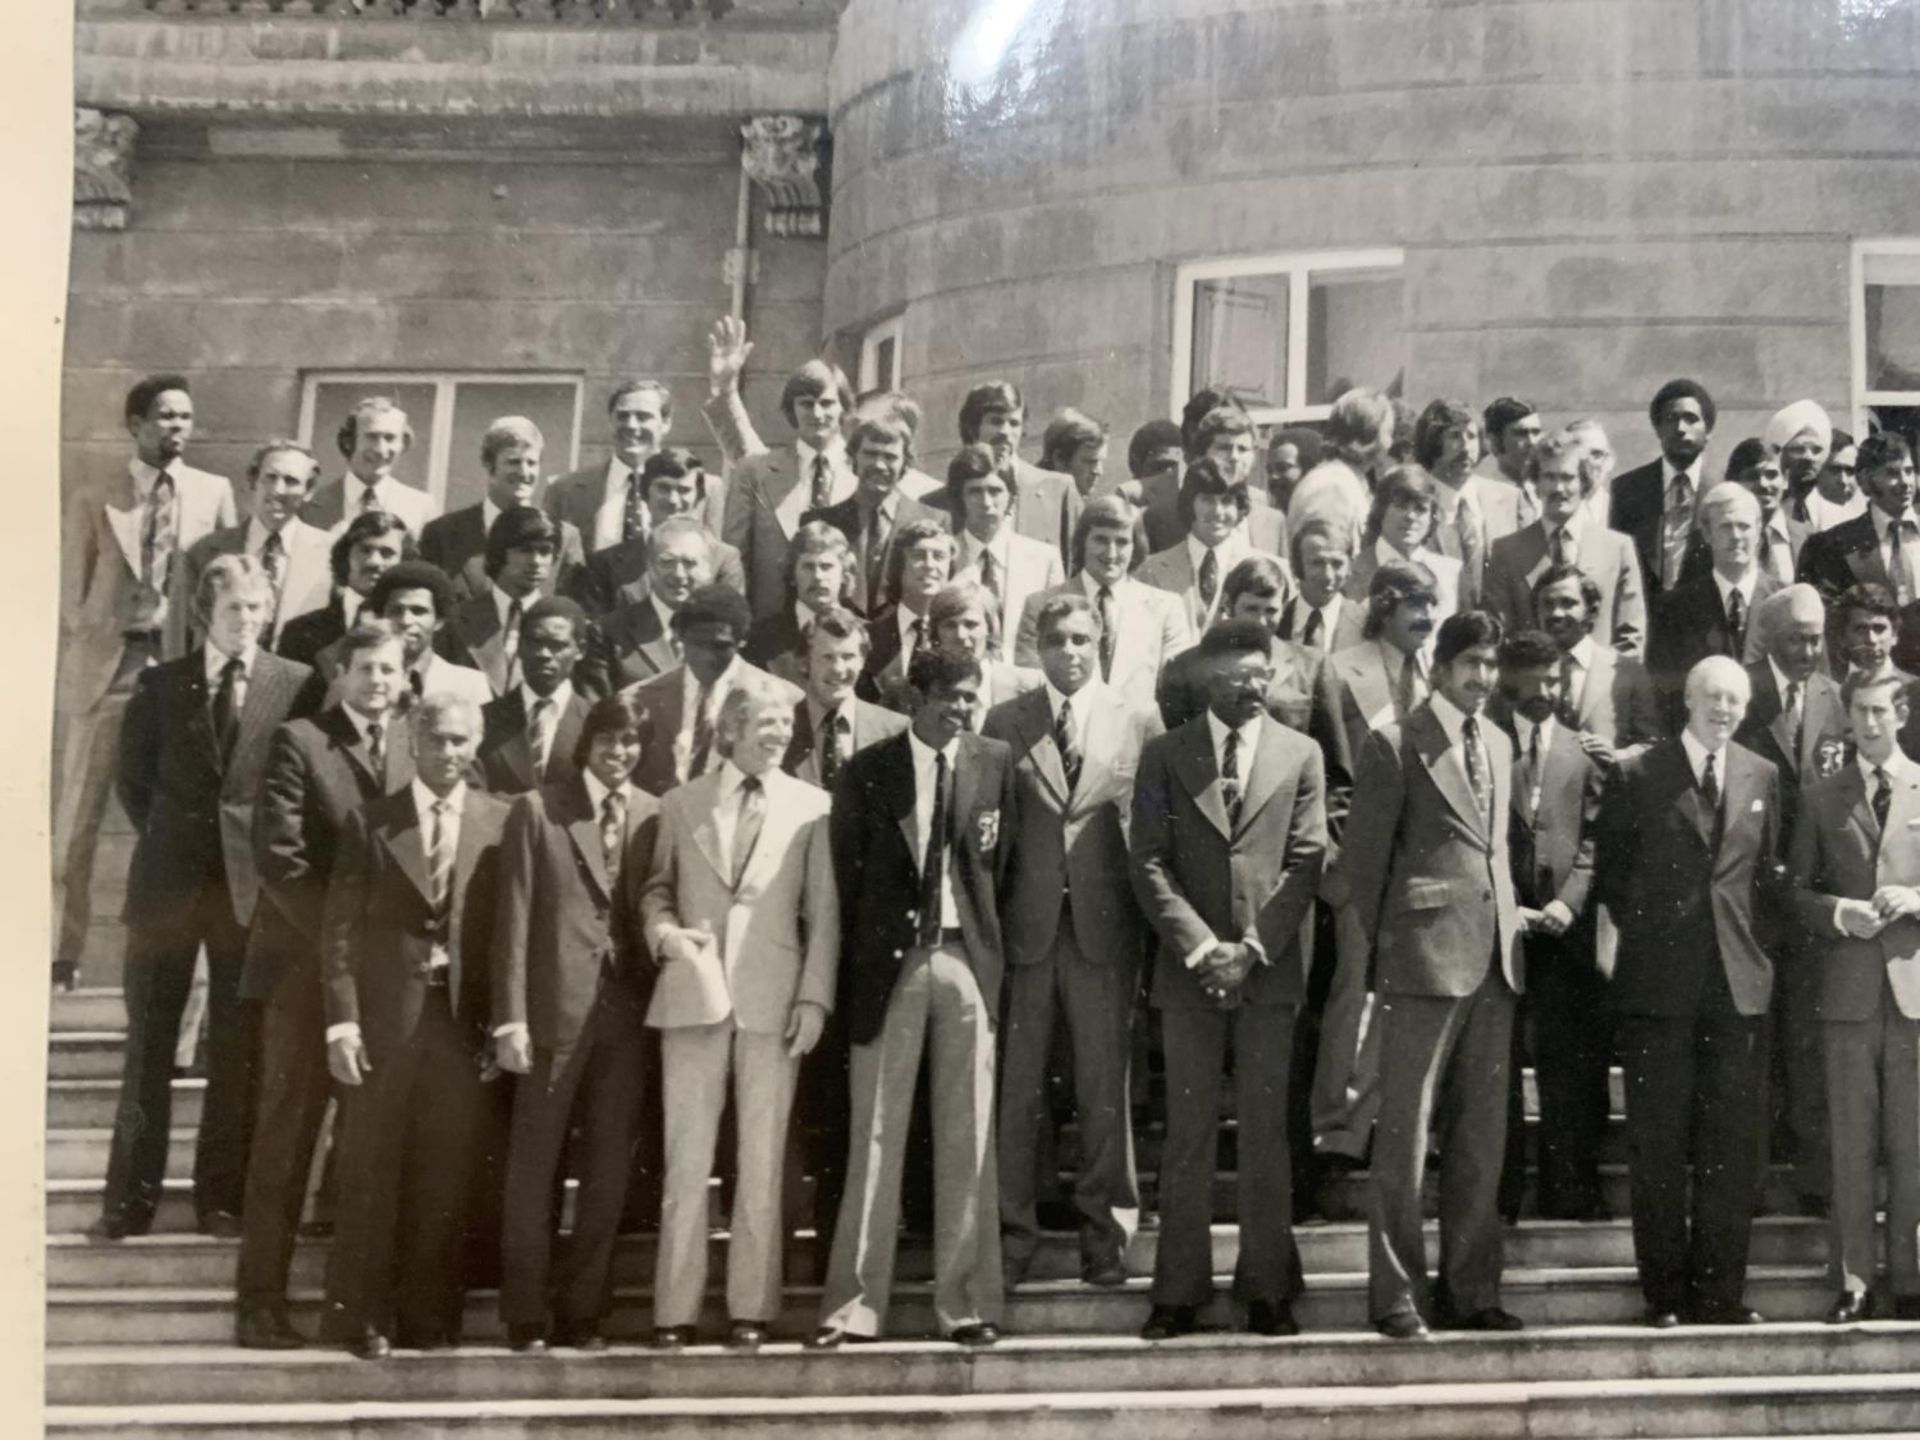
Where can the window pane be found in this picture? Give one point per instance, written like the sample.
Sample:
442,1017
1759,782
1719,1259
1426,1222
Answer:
1356,333
1240,337
478,403
1893,337
333,399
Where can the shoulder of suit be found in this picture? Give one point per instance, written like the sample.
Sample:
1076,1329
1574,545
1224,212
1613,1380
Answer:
1750,756
206,479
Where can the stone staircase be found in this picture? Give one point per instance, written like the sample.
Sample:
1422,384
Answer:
139,1338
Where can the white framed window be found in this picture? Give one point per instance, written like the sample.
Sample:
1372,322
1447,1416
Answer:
449,412
1886,335
1289,333
880,350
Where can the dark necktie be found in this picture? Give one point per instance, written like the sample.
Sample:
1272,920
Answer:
934,864
370,500
1230,778
440,860
1209,579
416,689
1562,547
1737,621
1407,693
1070,759
226,707
990,576
702,749
1310,637
1533,773
377,751
822,483
833,752
633,521
1767,550
919,638
1569,699
1796,721
540,732
1882,797
1103,607
879,531
157,534
746,829
510,643
1710,785
613,832
273,559
1477,775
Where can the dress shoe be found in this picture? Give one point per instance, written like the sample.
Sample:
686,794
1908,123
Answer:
372,1345
265,1328
1402,1325
1106,1271
673,1337
1492,1319
584,1338
747,1334
1659,1319
1168,1322
221,1224
1851,1306
977,1334
1906,1307
1266,1318
527,1339
1811,1206
1056,1215
66,975
1727,1315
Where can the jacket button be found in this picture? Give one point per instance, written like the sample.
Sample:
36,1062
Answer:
899,954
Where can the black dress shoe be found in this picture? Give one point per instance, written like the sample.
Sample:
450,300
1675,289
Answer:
1168,1322
1811,1206
119,1224
1660,1319
1727,1315
527,1339
1851,1306
747,1334
265,1328
1492,1319
1266,1318
585,1338
372,1345
673,1337
977,1334
1402,1325
1106,1271
221,1224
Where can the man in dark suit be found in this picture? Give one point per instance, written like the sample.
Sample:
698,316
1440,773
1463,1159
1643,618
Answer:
1428,874
371,545
571,980
819,574
676,485
1319,615
408,945
635,642
457,541
1855,867
608,503
1688,863
318,772
1714,614
1653,505
1752,465
1046,504
1076,939
923,847
919,567
192,751
881,450
1550,837
483,632
531,731
1228,835
1881,547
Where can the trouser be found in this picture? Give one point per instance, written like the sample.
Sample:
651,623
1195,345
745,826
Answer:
87,760
1196,1041
1095,995
697,1062
1322,968
1346,1080
1797,1073
192,1017
160,961
936,1004
1572,1035
406,1165
1443,1067
1873,1100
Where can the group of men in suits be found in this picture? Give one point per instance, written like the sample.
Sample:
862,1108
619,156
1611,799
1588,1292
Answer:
823,769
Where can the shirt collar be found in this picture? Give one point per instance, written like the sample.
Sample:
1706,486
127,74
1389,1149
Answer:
835,453
1744,585
143,476
1451,717
1084,701
357,488
1582,652
1092,586
1523,729
923,753
1249,733
597,791
255,539
216,661
350,603
362,723
1668,472
1228,551
817,713
562,697
691,685
1781,682
424,799
503,604
1697,756
1897,766
1881,520
663,610
971,545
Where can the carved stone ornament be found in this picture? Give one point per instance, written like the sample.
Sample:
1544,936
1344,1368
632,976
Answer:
102,168
784,156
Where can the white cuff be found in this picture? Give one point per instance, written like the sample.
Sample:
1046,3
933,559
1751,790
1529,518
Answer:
1839,925
1252,942
512,1027
343,1030
1199,953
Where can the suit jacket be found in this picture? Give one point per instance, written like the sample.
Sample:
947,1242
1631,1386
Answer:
1046,506
1201,879
1551,846
101,595
1002,682
506,747
1349,624
876,866
1365,689
457,543
758,488
1072,844
1617,701
1172,570
378,930
617,576
657,772
1847,555
1699,557
1504,507
773,638
1823,736
567,936
306,585
574,499
1150,628
192,810
1520,559
1031,568
1162,528
845,517
1681,903
305,637
478,640
1428,874
1635,509
870,723
776,934
1689,624
318,772
439,674
629,645
326,509
1449,575
1839,852
886,669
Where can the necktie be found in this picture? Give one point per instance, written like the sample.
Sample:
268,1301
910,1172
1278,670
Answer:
933,864
540,733
990,575
633,521
1070,759
879,531
440,859
1563,547
1230,778
1710,784
833,748
1407,693
1678,523
1209,579
1768,552
273,559
226,706
1103,607
1737,621
1882,797
613,832
1310,637
822,483
1477,775
1569,688
702,734
746,829
1533,773
1796,720
370,499
510,643
1896,562
919,639
157,534
377,751
1467,531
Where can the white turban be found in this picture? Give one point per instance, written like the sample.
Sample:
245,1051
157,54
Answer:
1797,419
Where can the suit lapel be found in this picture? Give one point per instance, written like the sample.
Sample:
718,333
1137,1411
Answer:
583,828
1195,767
771,845
902,796
1034,714
1820,703
1449,774
1263,778
466,854
1596,688
1860,806
408,843
1692,803
344,735
125,522
800,748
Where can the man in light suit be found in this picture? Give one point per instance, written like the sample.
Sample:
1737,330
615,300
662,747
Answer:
1688,864
407,940
923,848
529,733
820,566
1604,695
918,569
1212,508
1447,443
293,553
1712,615
1383,679
373,437
484,632
1228,835
457,541
1045,504
318,772
1140,627
1855,866
870,518
1503,481
371,545
123,607
1653,505
1567,534
1076,938
416,598
192,752
572,975
1428,875
635,641
1881,547
676,486
740,907
1008,566
609,504
1319,615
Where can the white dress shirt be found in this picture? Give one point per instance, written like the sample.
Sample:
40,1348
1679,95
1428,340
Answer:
1228,553
924,778
1089,695
1897,766
350,603
1676,518
356,491
1824,514
799,500
1249,733
1908,581
726,814
1581,656
561,698
1329,614
610,518
1745,585
215,660
1697,759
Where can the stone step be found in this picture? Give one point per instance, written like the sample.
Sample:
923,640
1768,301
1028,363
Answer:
85,1054
81,1154
91,1007
1774,1405
1589,1295
197,1261
90,1104
223,1375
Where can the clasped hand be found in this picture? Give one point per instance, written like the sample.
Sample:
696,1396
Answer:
1224,971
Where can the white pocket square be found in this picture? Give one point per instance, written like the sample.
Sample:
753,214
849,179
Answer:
1913,824
1758,806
